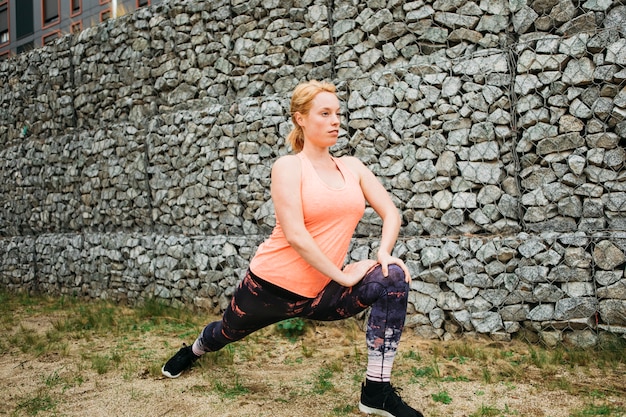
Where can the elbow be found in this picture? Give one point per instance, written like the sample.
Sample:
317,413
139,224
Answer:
296,241
393,217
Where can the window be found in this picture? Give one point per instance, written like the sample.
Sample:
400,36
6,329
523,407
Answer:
50,38
141,3
4,55
24,19
105,1
4,23
25,47
50,12
75,7
105,15
76,27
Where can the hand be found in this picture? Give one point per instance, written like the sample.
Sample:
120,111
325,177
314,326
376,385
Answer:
356,271
385,259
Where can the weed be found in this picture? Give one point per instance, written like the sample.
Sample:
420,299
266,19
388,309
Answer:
75,322
423,372
100,363
487,376
455,379
322,382
231,391
345,410
414,356
485,411
34,405
538,358
292,329
600,410
442,397
560,384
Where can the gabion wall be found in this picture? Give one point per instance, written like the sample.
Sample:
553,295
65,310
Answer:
135,156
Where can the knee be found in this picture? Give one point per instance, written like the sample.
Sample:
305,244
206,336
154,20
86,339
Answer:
397,276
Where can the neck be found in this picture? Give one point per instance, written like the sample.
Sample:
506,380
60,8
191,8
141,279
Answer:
317,154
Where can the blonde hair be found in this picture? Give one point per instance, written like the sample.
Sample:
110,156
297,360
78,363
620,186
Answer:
301,100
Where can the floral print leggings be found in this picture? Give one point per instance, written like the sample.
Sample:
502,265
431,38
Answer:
258,303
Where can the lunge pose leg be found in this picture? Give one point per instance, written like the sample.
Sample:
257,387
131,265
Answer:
257,304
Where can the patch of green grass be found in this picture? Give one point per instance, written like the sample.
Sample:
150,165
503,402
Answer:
455,379
230,390
104,363
442,397
39,403
487,377
413,355
486,411
424,372
600,410
292,329
345,410
224,356
323,383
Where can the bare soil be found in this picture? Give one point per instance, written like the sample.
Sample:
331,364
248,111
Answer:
319,374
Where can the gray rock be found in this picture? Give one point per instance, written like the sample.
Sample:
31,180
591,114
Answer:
607,255
613,312
615,291
572,308
542,312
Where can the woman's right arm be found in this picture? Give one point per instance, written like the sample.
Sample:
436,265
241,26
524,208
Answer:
286,195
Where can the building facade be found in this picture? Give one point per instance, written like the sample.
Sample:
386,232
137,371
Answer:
28,24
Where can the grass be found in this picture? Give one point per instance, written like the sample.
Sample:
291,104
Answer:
96,339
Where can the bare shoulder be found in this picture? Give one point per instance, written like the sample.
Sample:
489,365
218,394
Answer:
354,164
286,164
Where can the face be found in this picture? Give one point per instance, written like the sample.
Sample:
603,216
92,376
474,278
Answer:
321,124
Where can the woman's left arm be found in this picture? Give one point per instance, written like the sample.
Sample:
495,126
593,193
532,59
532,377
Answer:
380,200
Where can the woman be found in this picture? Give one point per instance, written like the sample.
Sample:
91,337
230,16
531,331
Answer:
296,272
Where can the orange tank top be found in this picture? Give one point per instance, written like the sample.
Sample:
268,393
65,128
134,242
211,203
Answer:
330,215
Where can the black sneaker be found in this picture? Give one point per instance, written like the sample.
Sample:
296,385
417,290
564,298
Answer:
385,401
182,360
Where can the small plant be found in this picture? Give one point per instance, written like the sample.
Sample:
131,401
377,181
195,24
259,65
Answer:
292,328
442,397
345,410
455,379
486,411
323,383
423,372
600,410
34,405
233,391
487,376
412,355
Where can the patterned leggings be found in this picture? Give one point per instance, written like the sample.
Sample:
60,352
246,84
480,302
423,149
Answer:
258,303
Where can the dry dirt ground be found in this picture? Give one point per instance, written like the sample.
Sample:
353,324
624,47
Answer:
319,374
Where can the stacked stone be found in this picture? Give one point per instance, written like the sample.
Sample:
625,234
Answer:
442,144
377,34
551,287
131,268
35,92
278,43
209,167
17,264
571,113
112,72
